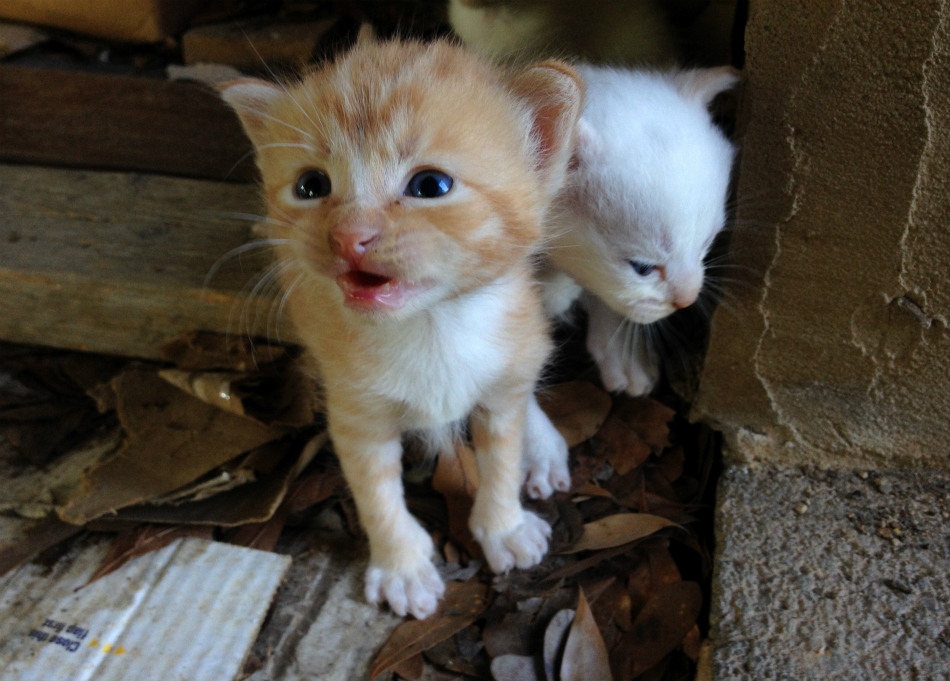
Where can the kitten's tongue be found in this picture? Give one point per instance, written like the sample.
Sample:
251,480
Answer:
370,291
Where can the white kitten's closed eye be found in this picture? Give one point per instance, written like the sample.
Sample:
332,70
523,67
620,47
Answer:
641,268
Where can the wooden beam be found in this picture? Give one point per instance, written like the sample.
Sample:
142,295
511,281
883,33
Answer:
91,120
117,263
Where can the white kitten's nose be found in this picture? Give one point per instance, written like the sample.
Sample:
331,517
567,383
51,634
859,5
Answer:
680,303
685,291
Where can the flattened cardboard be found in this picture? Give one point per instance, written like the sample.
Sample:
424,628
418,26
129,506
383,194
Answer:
188,611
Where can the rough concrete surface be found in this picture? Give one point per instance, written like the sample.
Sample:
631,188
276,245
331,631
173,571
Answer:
321,627
832,575
837,348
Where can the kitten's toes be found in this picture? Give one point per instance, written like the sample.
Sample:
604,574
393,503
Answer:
547,475
415,591
641,379
522,546
545,456
627,374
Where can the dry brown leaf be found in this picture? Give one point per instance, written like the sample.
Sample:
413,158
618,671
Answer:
635,428
510,636
577,409
577,567
587,461
617,530
592,490
663,569
172,439
212,387
612,611
660,627
515,668
255,502
141,540
456,473
693,643
410,669
304,493
649,419
462,604
671,463
585,656
623,447
205,351
456,479
21,539
555,637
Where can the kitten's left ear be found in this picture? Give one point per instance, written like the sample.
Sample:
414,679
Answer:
703,85
250,98
554,93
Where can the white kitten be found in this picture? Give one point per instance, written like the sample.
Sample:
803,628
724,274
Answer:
641,209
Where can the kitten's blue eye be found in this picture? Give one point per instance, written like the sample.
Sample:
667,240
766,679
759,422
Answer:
313,184
429,184
642,268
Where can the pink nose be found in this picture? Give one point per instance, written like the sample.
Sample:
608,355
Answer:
680,303
684,296
352,242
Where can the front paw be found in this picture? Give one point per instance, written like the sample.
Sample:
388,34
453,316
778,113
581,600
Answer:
638,377
414,589
631,370
545,456
521,546
546,466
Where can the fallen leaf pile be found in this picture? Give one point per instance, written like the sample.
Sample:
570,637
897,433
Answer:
222,442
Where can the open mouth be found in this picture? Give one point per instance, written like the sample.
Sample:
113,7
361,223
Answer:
365,280
370,291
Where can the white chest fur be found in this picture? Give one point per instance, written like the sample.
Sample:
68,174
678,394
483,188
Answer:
436,366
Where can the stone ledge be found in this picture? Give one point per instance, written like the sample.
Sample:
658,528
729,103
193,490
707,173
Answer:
831,574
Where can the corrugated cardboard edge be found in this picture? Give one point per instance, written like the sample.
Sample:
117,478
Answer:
191,610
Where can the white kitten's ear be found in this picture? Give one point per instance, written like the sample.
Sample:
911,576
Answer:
554,93
587,145
250,98
366,34
703,85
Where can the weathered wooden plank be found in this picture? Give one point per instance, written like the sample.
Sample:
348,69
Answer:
117,263
89,120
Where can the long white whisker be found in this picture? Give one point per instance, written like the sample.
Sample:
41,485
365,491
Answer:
283,302
237,252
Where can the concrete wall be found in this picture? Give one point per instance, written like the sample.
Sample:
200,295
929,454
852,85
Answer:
834,347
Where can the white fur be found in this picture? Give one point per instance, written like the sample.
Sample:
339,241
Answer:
649,186
545,455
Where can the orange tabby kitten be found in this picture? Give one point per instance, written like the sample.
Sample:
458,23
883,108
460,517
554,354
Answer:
405,186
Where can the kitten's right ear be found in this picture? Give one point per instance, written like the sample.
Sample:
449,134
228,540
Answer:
703,85
250,99
554,93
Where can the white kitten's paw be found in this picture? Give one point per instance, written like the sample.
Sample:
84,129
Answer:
415,589
545,466
545,456
546,476
522,546
625,371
